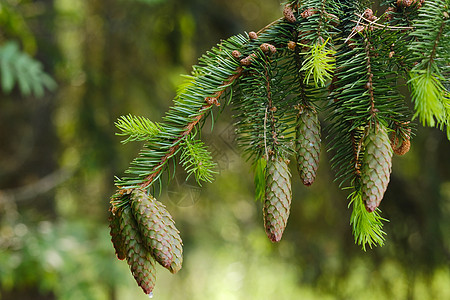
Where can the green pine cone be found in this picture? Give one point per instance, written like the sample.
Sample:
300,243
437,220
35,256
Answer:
176,242
307,145
141,262
155,234
376,166
116,236
277,198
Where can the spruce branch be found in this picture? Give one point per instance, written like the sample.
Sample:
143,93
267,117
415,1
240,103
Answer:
217,71
364,92
188,129
369,84
278,77
265,102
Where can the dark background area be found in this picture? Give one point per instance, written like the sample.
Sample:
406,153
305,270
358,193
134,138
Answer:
59,155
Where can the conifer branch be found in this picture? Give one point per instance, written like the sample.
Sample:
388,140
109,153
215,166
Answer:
369,84
302,93
188,129
275,103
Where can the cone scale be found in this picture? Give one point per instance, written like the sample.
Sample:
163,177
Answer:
117,238
307,145
141,262
155,236
176,242
278,196
376,166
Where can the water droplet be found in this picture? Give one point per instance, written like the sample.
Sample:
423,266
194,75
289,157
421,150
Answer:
150,295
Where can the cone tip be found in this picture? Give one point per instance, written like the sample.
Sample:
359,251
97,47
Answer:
370,207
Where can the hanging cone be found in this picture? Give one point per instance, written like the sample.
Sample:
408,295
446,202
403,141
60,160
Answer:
176,242
307,145
147,212
376,166
141,262
116,237
277,198
399,144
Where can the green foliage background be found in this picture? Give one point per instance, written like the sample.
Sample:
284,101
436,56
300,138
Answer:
58,156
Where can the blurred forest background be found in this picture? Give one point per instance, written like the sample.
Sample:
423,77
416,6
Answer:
59,155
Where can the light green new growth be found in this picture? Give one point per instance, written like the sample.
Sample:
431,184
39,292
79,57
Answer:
197,160
320,63
430,99
429,73
136,128
367,227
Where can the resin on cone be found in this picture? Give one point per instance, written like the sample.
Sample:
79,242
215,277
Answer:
307,144
376,166
155,234
141,262
278,196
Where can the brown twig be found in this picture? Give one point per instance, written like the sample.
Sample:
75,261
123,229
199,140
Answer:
269,25
382,26
188,129
369,84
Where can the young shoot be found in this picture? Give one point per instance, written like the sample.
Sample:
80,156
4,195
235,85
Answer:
430,99
197,160
320,63
136,128
367,227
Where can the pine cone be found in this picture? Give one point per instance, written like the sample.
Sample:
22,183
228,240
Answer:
399,144
403,148
176,242
277,198
116,236
307,146
376,167
155,234
141,262
289,14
